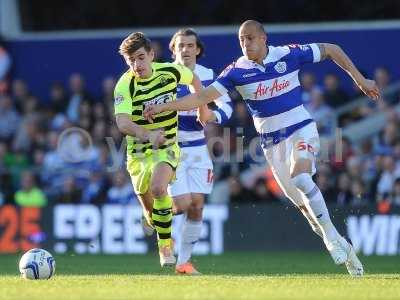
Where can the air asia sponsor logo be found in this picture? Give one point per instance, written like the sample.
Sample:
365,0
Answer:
159,100
270,91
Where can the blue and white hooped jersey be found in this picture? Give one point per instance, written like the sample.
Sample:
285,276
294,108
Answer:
272,92
191,132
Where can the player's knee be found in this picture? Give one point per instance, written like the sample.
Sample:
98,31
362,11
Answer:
195,211
158,190
301,166
303,182
181,206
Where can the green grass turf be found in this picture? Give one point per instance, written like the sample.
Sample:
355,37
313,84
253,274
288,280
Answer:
230,276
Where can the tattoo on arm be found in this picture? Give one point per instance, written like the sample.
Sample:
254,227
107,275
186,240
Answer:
322,49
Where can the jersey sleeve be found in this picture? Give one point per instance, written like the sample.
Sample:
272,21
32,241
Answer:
224,109
122,97
224,82
185,74
307,53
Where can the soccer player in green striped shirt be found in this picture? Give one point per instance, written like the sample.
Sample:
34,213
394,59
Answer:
152,150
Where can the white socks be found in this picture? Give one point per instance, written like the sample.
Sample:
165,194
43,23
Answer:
191,231
316,205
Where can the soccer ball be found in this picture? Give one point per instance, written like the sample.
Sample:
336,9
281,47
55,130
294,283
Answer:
37,264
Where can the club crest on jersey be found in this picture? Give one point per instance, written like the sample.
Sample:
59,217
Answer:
163,80
118,99
280,67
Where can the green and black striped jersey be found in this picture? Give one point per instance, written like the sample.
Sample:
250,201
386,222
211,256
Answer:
132,94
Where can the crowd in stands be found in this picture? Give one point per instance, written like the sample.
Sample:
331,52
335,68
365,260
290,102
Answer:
58,152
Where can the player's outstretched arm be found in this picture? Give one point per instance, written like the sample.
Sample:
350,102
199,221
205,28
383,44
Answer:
204,114
336,53
128,127
188,102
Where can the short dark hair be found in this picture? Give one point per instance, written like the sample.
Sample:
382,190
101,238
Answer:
187,32
256,24
134,42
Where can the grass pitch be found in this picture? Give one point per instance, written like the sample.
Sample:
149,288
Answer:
230,276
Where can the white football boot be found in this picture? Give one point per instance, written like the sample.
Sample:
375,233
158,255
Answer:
167,257
338,252
353,264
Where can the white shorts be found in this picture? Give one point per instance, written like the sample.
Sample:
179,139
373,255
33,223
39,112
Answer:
194,173
303,143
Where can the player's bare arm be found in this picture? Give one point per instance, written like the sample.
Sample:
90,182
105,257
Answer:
204,114
127,127
336,53
188,102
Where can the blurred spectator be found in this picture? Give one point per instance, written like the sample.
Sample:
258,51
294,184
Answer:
387,139
29,135
262,193
395,197
343,194
320,112
358,195
367,159
242,123
324,183
5,65
308,84
382,78
29,195
6,184
158,51
121,191
9,118
53,164
108,86
69,192
334,96
354,167
99,112
94,192
58,99
78,95
99,132
20,92
238,193
389,175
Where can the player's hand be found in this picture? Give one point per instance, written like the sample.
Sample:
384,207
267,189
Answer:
156,138
370,88
150,111
205,115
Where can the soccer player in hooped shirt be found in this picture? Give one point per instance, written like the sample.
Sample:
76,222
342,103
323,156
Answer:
194,177
152,149
267,79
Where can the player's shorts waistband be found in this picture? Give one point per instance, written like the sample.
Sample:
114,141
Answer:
272,138
199,142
